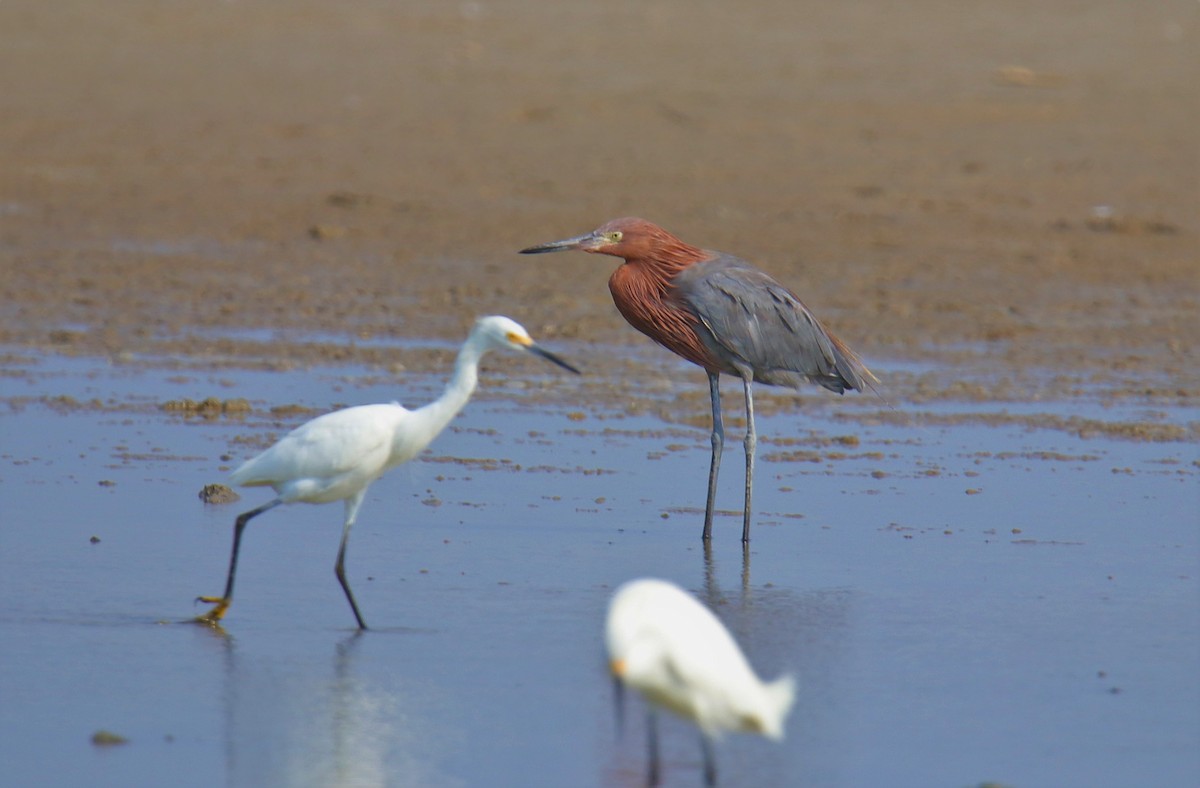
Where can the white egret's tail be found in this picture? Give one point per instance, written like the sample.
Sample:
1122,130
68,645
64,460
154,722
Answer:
247,474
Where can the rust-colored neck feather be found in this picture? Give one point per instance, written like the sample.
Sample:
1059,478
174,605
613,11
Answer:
643,288
643,294
657,252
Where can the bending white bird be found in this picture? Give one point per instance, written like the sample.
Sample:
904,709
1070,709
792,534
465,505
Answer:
677,654
335,457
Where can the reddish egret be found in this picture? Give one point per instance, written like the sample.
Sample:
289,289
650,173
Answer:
335,457
721,313
674,651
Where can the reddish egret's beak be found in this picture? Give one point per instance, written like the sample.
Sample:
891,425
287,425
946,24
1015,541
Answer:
553,359
585,242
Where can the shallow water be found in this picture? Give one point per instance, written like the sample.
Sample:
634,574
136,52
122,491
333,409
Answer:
959,603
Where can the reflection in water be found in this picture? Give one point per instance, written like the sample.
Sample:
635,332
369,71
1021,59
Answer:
360,726
290,722
712,590
220,642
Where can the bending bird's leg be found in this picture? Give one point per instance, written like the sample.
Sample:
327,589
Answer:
710,763
222,602
339,568
718,445
619,705
652,776
751,444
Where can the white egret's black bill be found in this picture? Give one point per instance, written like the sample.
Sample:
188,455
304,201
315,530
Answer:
546,354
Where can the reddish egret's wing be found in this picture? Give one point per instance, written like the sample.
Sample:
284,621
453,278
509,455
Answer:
755,323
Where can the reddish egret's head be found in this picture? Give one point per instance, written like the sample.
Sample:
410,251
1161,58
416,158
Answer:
630,238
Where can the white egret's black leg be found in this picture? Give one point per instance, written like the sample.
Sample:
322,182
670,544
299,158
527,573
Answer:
339,569
718,444
751,445
710,763
652,770
222,602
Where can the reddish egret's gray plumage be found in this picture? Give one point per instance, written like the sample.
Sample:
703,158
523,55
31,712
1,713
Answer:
723,314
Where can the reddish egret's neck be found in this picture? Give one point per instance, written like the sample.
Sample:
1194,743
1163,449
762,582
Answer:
666,257
641,290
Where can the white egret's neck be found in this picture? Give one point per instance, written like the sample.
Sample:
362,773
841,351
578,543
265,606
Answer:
436,415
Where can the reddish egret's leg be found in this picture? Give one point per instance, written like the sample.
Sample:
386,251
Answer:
222,602
339,568
652,771
718,444
710,764
751,444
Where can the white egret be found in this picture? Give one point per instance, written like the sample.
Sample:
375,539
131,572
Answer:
335,457
666,645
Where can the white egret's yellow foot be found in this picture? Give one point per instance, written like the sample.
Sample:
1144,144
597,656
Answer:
215,615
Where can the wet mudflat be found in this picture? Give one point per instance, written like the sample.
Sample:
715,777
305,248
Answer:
218,220
962,598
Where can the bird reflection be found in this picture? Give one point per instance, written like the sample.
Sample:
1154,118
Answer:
355,719
292,720
712,589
